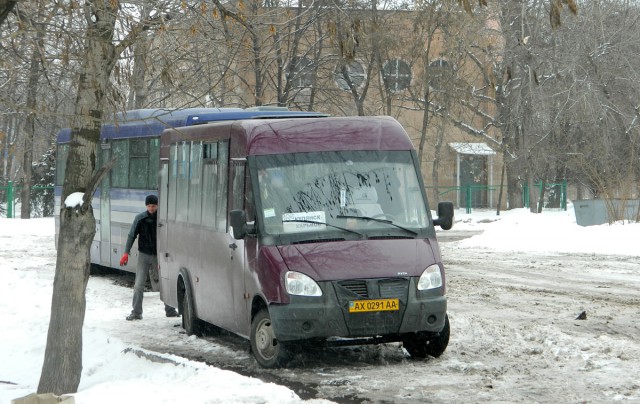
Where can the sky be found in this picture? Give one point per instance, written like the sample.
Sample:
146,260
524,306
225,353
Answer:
113,368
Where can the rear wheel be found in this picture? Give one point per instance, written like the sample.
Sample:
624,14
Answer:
431,344
191,324
268,351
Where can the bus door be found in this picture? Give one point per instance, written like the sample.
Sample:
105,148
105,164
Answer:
237,254
104,243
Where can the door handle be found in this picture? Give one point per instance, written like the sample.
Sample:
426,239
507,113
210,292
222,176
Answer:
233,246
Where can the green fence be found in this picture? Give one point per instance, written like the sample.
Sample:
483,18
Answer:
484,196
470,196
555,194
10,192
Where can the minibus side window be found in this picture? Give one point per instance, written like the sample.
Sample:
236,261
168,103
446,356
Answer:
182,189
222,190
195,185
173,181
238,168
209,184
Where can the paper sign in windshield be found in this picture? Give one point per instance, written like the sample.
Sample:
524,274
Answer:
300,221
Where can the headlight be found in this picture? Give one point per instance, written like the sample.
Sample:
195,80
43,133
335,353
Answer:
430,278
300,284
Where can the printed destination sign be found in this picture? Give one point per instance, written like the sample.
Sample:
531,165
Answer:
300,221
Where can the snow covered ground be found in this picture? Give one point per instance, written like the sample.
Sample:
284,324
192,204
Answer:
114,367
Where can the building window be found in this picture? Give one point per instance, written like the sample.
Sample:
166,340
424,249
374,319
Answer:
354,73
396,74
300,72
440,73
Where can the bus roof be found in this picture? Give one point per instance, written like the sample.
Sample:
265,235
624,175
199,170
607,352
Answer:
274,136
151,122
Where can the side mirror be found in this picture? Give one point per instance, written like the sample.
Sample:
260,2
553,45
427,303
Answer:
238,221
445,216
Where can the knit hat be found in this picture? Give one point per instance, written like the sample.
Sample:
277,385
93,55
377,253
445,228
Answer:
151,200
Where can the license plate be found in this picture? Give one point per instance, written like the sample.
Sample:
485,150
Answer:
363,306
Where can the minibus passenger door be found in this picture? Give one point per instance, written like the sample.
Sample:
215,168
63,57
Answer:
162,230
237,252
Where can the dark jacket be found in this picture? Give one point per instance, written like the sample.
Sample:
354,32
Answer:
144,227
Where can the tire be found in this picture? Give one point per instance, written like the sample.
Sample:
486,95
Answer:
433,344
191,324
268,351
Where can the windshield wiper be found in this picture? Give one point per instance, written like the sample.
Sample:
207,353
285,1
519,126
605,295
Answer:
375,219
323,223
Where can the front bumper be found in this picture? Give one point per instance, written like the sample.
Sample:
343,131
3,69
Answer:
328,315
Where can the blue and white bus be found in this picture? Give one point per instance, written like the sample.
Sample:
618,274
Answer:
133,137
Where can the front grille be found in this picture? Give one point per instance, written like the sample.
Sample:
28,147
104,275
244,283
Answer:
390,288
378,322
358,286
377,288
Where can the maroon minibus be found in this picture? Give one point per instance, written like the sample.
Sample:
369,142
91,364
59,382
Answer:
294,230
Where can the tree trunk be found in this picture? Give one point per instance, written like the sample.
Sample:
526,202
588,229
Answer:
514,193
138,97
62,365
437,157
63,356
27,168
501,191
32,91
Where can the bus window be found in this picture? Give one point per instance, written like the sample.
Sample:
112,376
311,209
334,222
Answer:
154,157
120,171
61,163
139,163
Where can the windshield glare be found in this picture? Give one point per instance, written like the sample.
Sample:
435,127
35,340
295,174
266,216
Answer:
309,192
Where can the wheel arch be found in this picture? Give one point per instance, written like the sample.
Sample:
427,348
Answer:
258,303
183,286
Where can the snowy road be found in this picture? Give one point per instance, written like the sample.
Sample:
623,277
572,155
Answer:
514,333
514,338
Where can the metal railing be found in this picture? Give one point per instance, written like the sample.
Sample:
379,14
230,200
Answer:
474,196
9,193
555,194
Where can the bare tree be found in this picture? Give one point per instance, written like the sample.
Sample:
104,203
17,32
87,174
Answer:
32,87
62,365
5,8
599,98
35,68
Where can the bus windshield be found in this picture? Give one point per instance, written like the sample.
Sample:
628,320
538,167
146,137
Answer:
350,192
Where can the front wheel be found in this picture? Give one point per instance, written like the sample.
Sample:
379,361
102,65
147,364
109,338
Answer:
191,324
268,351
431,344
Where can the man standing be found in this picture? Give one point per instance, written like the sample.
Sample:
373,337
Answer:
144,228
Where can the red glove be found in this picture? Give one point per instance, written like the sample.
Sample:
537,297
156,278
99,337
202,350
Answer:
124,260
